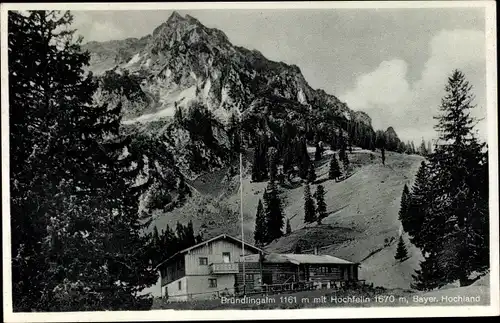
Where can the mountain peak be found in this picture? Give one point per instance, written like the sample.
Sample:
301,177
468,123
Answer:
175,16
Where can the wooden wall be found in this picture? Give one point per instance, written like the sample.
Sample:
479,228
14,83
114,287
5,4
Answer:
174,270
332,272
213,251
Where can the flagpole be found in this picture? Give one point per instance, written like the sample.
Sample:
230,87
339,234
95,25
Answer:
241,213
241,210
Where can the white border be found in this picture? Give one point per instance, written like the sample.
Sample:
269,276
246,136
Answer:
317,313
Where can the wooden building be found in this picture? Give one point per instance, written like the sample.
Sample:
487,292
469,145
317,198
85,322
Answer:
321,271
219,266
204,270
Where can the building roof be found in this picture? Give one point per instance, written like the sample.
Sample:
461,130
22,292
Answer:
315,259
219,237
268,257
298,259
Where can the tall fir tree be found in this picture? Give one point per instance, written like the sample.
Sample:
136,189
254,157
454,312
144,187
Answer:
417,207
422,151
274,213
273,163
319,195
460,185
405,201
288,227
311,175
450,216
333,142
303,159
334,171
401,251
260,233
318,151
430,275
309,208
288,156
178,115
76,235
345,162
259,167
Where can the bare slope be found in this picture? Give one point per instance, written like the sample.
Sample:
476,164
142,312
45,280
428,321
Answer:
362,224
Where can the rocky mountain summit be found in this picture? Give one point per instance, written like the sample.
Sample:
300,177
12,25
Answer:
184,61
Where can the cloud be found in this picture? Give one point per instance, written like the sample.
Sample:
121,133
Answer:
92,29
391,100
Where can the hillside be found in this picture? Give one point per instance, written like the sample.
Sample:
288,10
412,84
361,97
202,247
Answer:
184,90
362,224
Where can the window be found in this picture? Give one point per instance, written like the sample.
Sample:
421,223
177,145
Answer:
226,257
249,277
179,285
203,261
212,282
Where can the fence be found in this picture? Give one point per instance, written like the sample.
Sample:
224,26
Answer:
264,289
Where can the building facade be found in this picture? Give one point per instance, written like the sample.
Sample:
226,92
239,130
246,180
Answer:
204,271
318,271
224,266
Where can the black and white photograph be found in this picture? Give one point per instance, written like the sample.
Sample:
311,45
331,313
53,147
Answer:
204,157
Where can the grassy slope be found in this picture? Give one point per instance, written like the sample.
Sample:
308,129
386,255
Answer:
365,208
363,212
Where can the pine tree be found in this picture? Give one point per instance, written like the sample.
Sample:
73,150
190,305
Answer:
288,156
178,117
430,275
156,249
319,195
309,208
273,161
417,208
409,149
311,175
303,159
422,151
274,213
318,152
448,212
260,233
259,167
183,189
74,200
288,227
405,201
414,151
345,162
333,142
401,251
460,189
334,171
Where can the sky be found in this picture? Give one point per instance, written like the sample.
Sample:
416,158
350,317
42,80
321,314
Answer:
391,63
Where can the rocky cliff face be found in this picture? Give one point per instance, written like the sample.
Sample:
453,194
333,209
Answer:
184,64
184,61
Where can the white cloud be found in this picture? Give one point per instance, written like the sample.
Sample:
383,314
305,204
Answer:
387,96
91,29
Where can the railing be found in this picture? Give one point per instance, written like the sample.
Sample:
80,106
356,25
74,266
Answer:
224,268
